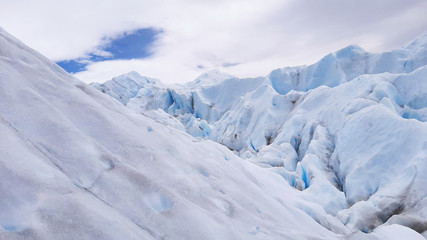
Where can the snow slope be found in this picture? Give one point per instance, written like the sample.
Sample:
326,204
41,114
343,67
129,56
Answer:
349,131
77,164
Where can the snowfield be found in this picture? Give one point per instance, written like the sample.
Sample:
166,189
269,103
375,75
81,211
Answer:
335,150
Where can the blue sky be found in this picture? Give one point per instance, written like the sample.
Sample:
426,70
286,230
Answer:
130,45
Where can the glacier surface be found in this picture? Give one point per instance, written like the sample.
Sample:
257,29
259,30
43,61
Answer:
348,130
335,150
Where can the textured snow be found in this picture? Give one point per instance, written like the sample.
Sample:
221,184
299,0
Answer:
349,132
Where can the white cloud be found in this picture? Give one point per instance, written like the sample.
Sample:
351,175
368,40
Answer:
259,34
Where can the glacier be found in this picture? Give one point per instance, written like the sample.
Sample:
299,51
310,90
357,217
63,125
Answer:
334,150
303,123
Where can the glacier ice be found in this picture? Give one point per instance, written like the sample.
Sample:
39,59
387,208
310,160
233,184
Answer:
77,164
342,130
334,150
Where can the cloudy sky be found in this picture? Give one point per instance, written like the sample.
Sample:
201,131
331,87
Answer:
177,40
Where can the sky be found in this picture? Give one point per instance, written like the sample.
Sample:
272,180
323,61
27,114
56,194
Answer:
177,40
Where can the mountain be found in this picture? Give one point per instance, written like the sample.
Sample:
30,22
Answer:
348,131
77,164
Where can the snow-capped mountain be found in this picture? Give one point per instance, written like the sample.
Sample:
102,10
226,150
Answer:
322,164
348,130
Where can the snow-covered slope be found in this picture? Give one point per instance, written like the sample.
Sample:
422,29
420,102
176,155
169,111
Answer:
77,164
349,131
